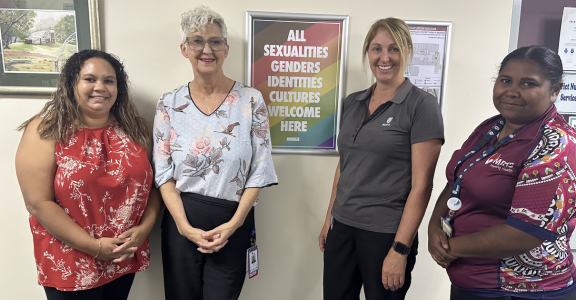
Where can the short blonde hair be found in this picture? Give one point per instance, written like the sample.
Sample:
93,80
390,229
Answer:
200,18
399,32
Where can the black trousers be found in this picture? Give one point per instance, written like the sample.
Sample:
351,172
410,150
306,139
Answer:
193,275
118,289
457,294
353,257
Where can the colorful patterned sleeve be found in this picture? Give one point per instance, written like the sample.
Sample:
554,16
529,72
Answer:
164,138
544,197
262,173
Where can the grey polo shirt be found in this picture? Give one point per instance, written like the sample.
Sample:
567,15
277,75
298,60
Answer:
375,156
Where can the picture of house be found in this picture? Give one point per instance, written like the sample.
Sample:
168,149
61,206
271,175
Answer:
36,41
42,37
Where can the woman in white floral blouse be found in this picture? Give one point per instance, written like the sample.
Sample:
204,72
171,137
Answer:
212,157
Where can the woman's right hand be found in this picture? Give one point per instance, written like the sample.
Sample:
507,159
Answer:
195,235
438,246
108,246
323,235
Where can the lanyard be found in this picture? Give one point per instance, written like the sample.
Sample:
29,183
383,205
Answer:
454,203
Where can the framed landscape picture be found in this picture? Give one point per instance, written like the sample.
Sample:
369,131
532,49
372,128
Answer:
37,37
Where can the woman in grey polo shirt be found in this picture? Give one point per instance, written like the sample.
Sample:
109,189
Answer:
389,142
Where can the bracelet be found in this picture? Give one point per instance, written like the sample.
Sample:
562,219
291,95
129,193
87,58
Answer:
99,248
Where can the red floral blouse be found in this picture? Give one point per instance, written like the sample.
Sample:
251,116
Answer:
103,182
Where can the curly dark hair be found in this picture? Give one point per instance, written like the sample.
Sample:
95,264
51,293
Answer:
61,115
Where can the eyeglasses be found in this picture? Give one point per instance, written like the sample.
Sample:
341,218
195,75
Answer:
197,43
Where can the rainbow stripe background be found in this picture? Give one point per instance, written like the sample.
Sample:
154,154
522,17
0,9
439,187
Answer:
321,132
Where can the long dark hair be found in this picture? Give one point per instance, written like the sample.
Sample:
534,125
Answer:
61,115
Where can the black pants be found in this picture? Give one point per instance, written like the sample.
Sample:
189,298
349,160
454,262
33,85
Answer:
193,275
353,257
118,289
457,294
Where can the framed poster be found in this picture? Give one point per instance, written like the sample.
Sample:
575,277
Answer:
37,38
428,69
567,40
297,62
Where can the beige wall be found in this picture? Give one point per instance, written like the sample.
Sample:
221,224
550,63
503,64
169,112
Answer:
145,35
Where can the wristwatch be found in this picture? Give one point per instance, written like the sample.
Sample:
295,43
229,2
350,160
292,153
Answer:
400,248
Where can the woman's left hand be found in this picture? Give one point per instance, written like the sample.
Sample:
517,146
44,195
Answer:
393,270
218,238
136,236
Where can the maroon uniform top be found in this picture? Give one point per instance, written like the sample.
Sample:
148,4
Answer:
528,184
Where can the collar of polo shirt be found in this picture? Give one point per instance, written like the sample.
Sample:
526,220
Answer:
398,98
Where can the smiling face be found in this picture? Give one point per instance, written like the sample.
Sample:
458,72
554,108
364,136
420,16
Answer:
96,88
521,93
385,59
205,61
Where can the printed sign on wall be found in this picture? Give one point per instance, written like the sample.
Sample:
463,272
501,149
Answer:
428,69
566,101
296,61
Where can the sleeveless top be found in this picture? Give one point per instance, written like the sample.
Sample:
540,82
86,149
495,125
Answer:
102,181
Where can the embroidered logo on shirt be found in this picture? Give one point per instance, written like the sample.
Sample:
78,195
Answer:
388,121
496,162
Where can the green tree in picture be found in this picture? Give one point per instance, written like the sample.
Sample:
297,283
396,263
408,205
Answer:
15,23
65,28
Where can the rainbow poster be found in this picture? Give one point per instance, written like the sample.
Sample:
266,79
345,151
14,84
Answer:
296,62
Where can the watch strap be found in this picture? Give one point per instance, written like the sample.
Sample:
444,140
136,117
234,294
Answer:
400,248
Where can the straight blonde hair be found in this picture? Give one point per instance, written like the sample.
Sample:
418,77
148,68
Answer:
399,32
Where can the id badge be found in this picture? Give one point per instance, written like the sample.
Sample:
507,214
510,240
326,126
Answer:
252,261
445,223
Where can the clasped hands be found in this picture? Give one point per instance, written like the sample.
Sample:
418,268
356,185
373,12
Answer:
209,241
122,247
439,247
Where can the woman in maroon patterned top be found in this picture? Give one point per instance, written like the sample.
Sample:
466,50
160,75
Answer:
502,225
86,180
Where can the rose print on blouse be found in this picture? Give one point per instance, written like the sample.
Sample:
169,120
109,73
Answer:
200,146
162,109
167,146
204,158
260,124
239,125
232,98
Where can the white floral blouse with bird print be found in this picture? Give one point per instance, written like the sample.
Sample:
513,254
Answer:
216,155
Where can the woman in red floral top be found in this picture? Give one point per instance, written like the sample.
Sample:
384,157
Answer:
86,180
